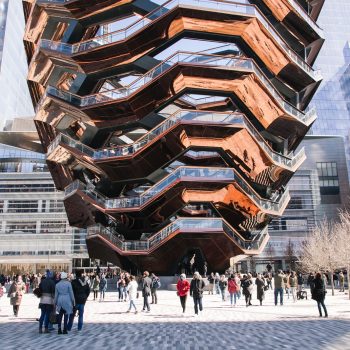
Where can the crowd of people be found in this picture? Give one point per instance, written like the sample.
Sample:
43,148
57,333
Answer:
63,296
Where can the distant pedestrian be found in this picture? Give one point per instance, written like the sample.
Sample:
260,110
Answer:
15,293
286,283
46,305
319,293
64,301
247,285
196,291
103,287
95,286
154,286
293,282
81,291
216,282
222,286
183,287
146,290
260,287
205,269
132,290
341,282
279,286
300,282
233,289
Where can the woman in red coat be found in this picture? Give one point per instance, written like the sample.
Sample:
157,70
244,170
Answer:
233,289
183,286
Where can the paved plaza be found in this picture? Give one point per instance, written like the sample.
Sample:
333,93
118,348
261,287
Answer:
107,326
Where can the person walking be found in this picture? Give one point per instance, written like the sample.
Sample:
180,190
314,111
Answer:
196,291
222,286
64,301
341,282
132,290
103,287
211,280
46,305
260,288
182,287
293,282
15,293
216,282
286,283
81,291
279,286
300,282
122,287
154,286
233,290
96,286
247,285
318,293
146,290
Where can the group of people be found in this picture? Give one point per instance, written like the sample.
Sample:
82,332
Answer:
62,296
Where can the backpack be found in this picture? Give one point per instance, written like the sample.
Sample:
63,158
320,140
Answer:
156,283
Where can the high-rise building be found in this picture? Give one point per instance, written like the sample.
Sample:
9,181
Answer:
175,133
14,95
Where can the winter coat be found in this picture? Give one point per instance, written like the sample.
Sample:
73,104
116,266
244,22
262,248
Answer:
222,285
293,281
96,284
260,292
132,289
16,292
47,288
318,291
232,286
146,286
279,280
81,290
182,287
103,284
196,288
247,286
64,296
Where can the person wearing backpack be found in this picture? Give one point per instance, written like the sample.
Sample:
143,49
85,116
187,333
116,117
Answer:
103,287
81,291
154,286
47,290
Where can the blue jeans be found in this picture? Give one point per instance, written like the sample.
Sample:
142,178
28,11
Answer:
197,304
80,309
217,288
234,297
63,314
46,310
319,304
132,304
280,292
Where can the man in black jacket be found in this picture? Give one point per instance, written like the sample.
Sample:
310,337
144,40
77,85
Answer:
146,290
81,290
196,291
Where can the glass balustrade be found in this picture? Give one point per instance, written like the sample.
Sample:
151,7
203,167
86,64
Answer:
189,174
182,225
231,62
240,6
181,116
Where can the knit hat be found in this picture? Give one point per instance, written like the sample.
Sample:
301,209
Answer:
63,275
183,276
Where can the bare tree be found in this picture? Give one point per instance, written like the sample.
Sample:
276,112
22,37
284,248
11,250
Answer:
343,242
320,252
290,254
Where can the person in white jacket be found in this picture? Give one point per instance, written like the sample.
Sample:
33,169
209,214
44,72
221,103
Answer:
132,289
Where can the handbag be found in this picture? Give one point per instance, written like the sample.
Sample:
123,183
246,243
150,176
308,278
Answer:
37,292
53,317
266,288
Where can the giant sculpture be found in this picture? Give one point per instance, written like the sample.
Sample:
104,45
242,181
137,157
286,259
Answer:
172,127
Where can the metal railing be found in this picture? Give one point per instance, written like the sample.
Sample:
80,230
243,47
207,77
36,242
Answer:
183,173
230,62
178,117
180,225
242,7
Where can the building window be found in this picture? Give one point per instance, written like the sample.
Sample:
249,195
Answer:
295,203
22,206
20,227
329,182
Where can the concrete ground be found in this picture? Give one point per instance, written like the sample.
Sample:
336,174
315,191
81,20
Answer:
107,326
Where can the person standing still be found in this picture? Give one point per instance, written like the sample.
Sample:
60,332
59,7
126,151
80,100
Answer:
47,289
196,291
318,293
182,287
103,287
154,286
279,286
96,286
81,291
146,290
293,281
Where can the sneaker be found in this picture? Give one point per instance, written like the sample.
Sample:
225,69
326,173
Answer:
59,332
136,312
65,331
128,311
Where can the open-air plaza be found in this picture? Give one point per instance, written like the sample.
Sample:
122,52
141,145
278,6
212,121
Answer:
107,325
174,174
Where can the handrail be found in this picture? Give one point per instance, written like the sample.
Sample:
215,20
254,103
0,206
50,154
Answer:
229,6
185,173
180,224
232,62
178,117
